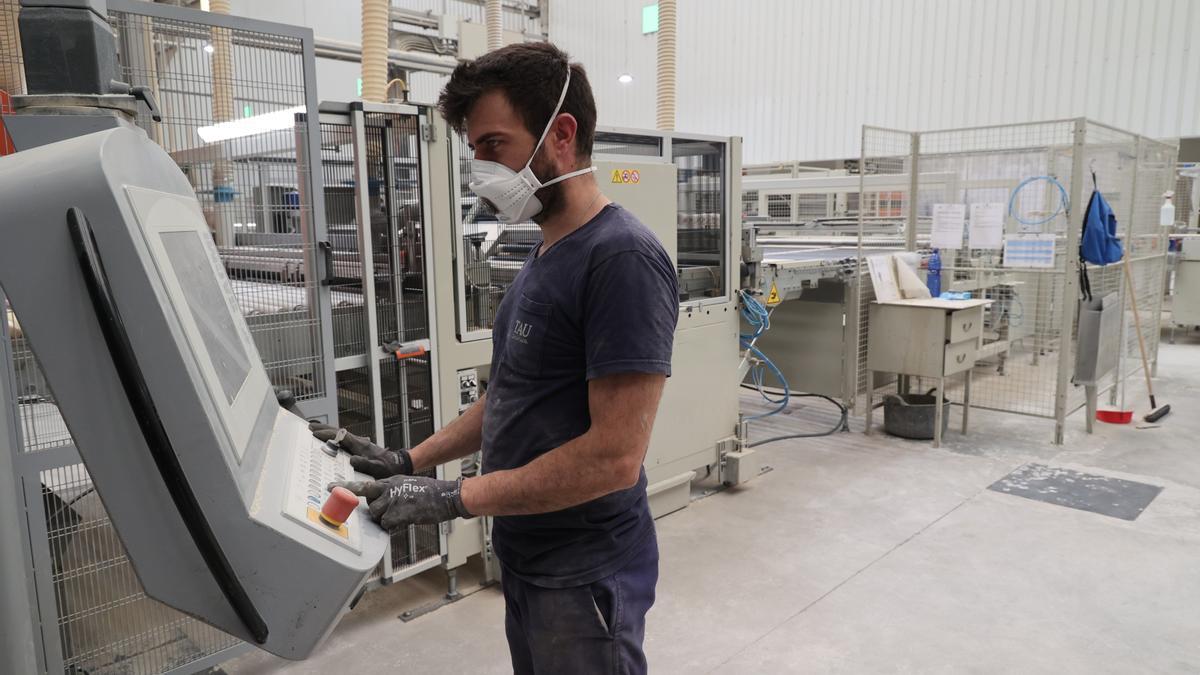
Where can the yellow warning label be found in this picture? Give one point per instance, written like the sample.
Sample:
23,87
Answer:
315,516
626,176
774,299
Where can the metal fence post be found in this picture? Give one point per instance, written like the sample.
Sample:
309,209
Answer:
855,319
1163,243
366,256
1070,287
1131,287
910,230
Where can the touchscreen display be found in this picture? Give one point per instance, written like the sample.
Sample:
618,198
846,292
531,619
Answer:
210,310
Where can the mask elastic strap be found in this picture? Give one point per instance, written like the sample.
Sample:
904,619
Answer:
565,176
558,106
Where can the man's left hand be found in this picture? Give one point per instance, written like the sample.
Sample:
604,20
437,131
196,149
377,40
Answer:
400,501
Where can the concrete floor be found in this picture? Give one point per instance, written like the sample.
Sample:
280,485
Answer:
865,554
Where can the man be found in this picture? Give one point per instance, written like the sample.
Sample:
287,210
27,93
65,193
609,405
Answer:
581,351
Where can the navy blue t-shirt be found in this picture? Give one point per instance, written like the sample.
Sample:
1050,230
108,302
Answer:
602,300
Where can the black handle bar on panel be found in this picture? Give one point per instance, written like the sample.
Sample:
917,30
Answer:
146,95
116,338
327,250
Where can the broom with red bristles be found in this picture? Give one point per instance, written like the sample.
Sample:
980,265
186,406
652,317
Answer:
1156,413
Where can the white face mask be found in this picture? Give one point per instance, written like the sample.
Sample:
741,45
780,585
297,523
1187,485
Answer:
511,192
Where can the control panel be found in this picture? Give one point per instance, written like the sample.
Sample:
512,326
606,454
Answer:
316,465
217,493
468,388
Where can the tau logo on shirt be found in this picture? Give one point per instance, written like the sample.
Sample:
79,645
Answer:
521,331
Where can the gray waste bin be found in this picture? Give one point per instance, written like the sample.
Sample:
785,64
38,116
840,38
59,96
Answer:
912,415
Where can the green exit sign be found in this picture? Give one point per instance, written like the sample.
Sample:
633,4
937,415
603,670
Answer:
649,19
247,111
360,87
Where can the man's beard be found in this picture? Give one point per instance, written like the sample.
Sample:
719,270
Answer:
550,196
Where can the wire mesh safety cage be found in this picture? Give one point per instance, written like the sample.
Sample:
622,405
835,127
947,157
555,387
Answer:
1147,244
106,623
233,103
821,211
885,152
396,232
407,392
1031,322
397,274
346,298
794,205
1187,196
41,425
750,204
355,412
1187,221
1017,369
397,227
12,73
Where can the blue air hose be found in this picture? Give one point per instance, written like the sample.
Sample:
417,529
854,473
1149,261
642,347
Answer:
1064,202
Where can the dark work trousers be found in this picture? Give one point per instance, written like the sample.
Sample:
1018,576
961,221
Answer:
594,628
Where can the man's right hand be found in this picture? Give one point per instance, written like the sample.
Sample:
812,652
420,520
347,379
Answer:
366,457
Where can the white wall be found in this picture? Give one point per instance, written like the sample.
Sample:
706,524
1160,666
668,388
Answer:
798,78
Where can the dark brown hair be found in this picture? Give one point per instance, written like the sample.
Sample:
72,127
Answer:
531,76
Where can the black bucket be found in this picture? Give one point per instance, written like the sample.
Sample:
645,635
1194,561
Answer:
912,415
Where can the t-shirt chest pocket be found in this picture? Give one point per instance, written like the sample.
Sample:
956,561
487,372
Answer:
525,342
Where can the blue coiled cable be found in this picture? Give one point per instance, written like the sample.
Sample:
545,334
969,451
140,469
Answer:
1064,203
759,318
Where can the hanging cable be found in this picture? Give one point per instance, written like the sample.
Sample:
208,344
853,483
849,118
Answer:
759,319
1064,202
756,375
843,423
755,314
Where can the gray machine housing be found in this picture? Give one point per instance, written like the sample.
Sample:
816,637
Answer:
297,578
82,57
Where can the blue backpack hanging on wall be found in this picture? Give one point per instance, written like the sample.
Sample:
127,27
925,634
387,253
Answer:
1099,244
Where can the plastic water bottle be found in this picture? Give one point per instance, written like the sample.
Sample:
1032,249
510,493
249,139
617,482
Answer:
933,279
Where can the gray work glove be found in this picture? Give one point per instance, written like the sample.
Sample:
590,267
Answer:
366,457
401,501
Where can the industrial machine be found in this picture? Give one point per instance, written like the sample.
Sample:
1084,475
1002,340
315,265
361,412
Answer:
215,488
802,247
801,250
683,187
1184,253
1185,307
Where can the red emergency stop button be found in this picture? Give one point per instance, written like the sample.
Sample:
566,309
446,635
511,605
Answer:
338,507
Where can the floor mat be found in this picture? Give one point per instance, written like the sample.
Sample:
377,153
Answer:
1115,497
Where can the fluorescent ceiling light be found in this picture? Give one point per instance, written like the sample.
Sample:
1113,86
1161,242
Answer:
250,126
624,78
